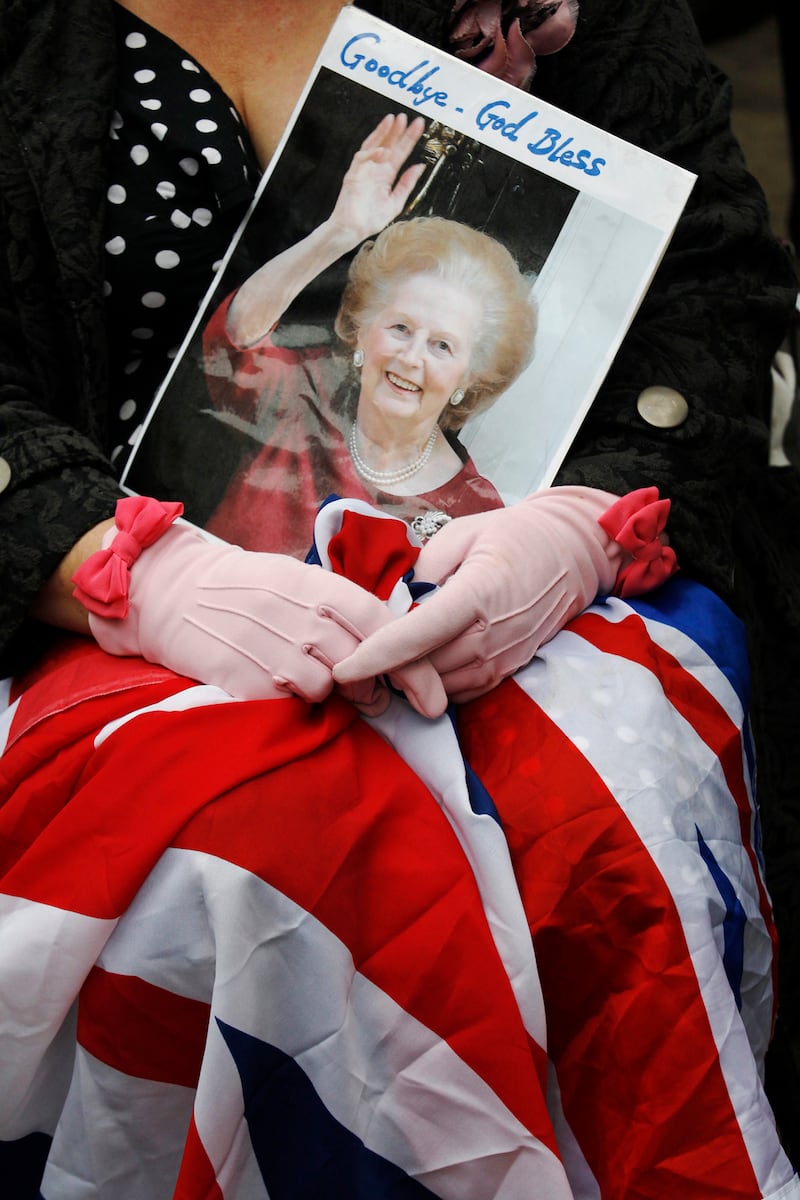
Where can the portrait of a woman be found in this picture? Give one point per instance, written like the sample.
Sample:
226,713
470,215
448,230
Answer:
435,322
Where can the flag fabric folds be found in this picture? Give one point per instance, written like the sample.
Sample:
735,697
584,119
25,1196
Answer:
274,949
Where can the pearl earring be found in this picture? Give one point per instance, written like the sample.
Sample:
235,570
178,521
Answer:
358,358
457,397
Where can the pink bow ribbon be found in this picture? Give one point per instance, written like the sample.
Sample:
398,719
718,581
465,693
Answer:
101,583
637,522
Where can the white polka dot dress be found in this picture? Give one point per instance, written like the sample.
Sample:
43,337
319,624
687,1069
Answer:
181,173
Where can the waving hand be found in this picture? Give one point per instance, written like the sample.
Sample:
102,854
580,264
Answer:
373,193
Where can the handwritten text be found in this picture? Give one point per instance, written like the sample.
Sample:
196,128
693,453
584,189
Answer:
552,143
355,56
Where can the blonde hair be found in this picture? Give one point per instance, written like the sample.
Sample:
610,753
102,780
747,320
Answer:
473,262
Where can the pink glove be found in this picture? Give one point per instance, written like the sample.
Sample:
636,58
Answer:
257,625
513,577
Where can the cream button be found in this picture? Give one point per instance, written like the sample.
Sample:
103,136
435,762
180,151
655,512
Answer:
662,407
5,474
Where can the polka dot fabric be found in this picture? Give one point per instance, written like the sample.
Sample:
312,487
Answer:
182,171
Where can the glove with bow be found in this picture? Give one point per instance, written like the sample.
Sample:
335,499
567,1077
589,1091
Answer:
257,625
512,577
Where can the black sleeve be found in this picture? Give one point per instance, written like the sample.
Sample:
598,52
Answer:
58,482
59,486
721,300
53,346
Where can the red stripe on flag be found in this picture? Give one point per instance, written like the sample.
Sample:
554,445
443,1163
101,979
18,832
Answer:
43,768
628,1031
133,794
142,1030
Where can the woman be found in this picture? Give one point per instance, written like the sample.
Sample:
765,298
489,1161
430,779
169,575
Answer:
57,508
438,321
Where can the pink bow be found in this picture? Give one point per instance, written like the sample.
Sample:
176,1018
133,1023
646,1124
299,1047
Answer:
101,583
637,522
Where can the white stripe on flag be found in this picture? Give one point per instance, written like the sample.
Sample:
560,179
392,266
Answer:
7,713
191,697
118,1136
37,990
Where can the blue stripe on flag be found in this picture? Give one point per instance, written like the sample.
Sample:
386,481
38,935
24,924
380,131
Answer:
733,925
301,1149
22,1164
700,614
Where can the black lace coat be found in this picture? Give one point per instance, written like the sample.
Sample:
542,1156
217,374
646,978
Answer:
709,326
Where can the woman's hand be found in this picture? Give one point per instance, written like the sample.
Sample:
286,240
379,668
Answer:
258,625
512,577
373,193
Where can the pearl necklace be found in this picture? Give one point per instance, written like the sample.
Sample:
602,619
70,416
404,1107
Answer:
383,478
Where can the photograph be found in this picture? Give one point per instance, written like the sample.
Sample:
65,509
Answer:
396,321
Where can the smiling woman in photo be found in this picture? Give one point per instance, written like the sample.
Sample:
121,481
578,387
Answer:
436,319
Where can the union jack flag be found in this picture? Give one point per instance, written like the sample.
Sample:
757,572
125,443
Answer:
254,949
